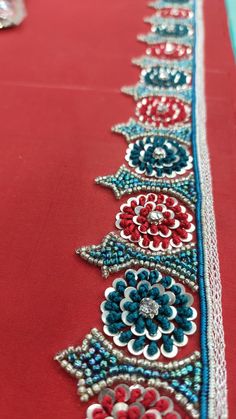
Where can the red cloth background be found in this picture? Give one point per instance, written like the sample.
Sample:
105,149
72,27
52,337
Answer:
60,76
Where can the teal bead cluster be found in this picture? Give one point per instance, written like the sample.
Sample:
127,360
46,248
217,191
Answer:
126,182
98,364
95,363
190,387
176,30
116,252
131,129
134,129
162,77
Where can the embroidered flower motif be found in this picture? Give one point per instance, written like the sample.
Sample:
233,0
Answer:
148,313
172,12
155,222
170,51
158,157
176,30
135,402
166,78
163,111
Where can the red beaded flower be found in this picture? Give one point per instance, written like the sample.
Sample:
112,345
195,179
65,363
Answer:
155,222
180,13
133,402
163,111
170,51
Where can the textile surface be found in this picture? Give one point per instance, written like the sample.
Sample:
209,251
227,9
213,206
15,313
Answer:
59,81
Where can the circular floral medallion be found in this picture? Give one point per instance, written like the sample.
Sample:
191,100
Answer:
163,77
135,402
170,51
175,13
176,30
159,157
148,313
155,222
163,111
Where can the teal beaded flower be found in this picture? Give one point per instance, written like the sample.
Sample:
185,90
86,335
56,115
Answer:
163,77
175,30
159,157
148,313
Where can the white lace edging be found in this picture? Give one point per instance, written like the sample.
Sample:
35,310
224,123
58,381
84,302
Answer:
217,405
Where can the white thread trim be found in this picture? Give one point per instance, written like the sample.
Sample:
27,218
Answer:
217,405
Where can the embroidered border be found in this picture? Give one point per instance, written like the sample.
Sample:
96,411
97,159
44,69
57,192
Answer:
215,377
168,159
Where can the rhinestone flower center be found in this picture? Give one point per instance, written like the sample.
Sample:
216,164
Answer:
162,107
155,217
148,308
169,48
159,153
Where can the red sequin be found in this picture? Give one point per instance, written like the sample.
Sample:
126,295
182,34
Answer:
132,403
174,13
163,111
170,51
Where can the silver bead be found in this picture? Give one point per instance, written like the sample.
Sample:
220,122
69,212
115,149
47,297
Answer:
64,363
96,388
84,398
81,382
81,390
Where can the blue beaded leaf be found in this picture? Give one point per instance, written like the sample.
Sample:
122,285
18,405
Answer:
147,61
132,130
153,38
96,361
114,254
140,90
125,182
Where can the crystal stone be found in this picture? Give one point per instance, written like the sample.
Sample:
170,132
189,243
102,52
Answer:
148,308
159,153
12,13
169,48
155,217
162,107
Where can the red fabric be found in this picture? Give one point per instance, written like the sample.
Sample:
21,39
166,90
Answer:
60,76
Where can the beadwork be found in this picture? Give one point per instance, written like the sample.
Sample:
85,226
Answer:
143,309
155,222
159,157
97,365
176,30
133,130
162,77
174,13
148,311
115,254
170,51
132,402
126,182
163,111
